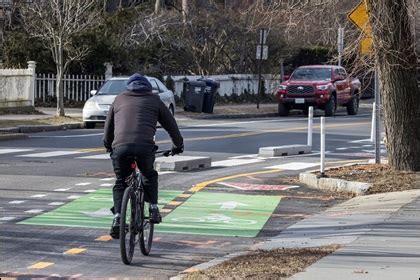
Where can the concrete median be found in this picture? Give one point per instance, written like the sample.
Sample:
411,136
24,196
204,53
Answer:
284,150
182,163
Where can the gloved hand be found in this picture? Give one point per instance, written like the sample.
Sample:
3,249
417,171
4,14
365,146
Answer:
109,150
177,150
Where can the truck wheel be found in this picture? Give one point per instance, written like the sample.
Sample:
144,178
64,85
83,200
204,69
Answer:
283,110
353,106
330,107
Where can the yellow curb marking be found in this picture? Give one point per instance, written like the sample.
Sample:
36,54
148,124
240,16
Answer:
185,195
40,265
190,270
8,278
165,210
175,203
104,238
204,184
74,251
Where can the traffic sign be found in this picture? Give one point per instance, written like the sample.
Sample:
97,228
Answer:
360,17
264,52
366,45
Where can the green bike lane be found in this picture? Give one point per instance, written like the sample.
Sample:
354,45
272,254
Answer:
197,226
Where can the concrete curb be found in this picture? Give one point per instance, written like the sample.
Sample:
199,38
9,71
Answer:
333,184
234,116
284,150
209,264
37,128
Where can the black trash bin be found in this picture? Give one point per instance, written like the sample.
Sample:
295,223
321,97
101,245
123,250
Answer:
209,94
194,96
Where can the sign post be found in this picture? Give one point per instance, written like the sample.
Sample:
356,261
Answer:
340,44
261,54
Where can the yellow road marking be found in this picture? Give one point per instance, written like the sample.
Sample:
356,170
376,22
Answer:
175,203
104,238
204,184
74,251
40,265
184,195
165,210
8,278
238,135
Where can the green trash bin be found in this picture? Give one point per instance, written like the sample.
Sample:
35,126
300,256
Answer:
194,96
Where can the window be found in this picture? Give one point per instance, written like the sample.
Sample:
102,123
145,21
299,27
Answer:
154,84
162,87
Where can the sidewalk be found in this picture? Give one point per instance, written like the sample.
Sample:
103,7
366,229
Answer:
379,235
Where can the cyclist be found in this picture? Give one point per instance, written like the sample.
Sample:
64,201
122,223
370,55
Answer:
129,132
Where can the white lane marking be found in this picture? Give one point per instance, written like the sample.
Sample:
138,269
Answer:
245,156
360,141
68,136
234,162
73,197
62,190
165,172
51,154
89,191
293,166
34,211
367,146
106,185
38,195
9,151
17,201
56,203
101,156
342,149
82,184
107,179
5,219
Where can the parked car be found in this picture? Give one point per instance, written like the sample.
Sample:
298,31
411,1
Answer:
323,86
96,108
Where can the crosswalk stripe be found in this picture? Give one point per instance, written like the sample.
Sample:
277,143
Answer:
234,162
10,151
51,154
293,166
100,156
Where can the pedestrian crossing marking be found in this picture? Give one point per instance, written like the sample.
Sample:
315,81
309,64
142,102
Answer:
100,156
38,195
50,154
293,166
17,201
56,203
34,211
10,151
5,219
234,162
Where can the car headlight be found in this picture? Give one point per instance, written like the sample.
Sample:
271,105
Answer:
282,87
91,104
322,87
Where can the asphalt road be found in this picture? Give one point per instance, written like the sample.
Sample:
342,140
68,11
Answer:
55,190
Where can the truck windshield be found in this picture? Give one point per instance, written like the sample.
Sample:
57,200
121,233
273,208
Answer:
113,87
311,74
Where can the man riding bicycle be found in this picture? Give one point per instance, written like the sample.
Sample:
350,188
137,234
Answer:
129,133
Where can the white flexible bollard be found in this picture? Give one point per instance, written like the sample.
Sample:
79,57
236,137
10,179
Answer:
373,126
322,147
310,125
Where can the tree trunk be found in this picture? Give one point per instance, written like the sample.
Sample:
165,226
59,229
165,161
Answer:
158,5
396,61
59,84
184,11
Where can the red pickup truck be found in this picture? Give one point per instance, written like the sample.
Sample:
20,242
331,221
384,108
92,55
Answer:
323,86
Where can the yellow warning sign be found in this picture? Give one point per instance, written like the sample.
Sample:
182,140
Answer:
360,17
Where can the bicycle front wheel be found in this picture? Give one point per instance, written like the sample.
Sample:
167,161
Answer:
147,229
128,230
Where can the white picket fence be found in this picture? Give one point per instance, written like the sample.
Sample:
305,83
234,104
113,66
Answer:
76,87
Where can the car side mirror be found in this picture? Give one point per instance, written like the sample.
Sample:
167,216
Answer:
93,92
286,77
339,78
155,91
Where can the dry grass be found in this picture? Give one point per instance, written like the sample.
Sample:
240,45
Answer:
274,264
383,177
43,121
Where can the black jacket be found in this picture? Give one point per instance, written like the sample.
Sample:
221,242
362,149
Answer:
132,120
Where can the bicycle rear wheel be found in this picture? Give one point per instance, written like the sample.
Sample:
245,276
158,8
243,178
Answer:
128,230
147,229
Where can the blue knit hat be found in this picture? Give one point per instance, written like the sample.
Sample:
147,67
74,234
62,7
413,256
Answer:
138,83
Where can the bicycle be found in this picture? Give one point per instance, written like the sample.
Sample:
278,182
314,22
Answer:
134,222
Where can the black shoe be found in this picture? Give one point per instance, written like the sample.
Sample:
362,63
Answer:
155,217
115,228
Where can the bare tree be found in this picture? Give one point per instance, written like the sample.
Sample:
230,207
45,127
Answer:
396,61
185,10
57,23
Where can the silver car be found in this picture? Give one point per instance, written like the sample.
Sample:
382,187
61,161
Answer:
96,108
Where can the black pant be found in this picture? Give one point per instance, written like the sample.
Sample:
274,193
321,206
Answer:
122,158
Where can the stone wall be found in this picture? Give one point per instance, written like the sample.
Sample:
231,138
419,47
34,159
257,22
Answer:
17,87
